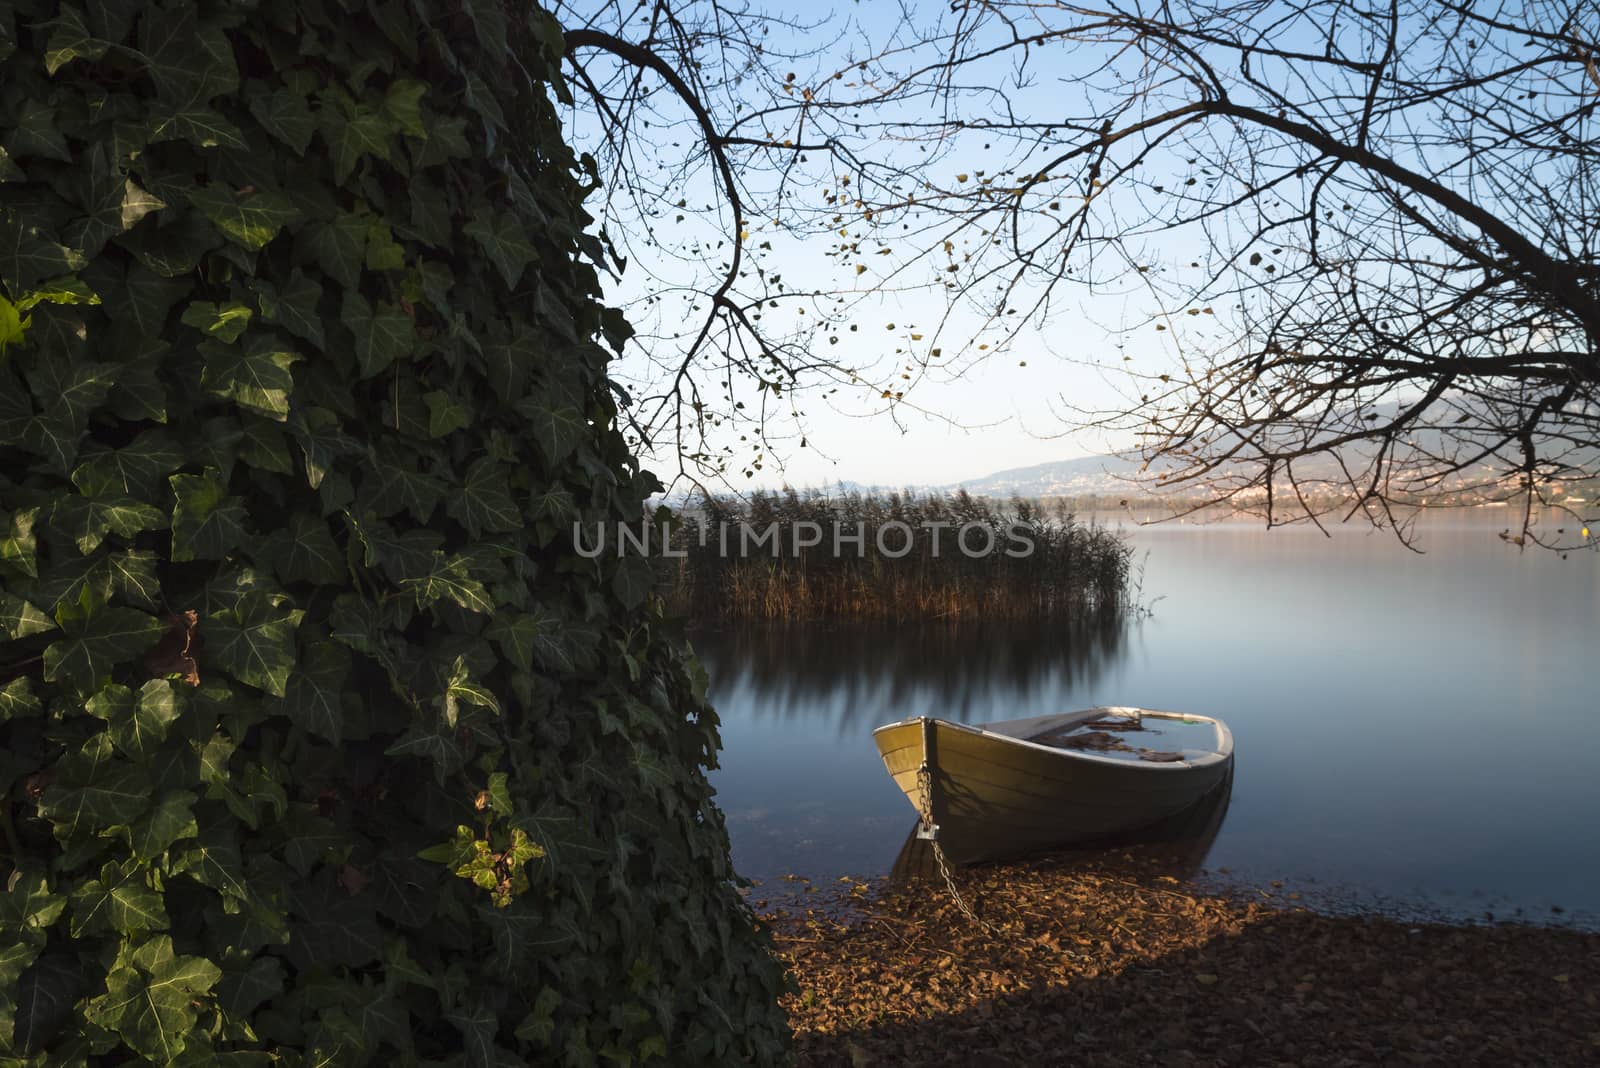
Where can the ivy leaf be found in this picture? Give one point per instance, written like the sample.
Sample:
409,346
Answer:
200,126
44,997
18,701
461,687
87,520
250,220
225,322
448,579
284,114
558,431
531,638
353,131
138,724
70,39
170,820
553,504
240,992
189,63
483,500
94,789
254,641
402,102
392,488
315,695
120,902
34,133
155,1008
207,524
304,551
116,204
175,248
383,334
633,581
256,375
20,619
97,639
18,544
28,256
339,247
504,241
139,469
294,307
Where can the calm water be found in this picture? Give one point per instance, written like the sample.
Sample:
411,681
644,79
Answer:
1409,729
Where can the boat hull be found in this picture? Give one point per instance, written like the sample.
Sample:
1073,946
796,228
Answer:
996,797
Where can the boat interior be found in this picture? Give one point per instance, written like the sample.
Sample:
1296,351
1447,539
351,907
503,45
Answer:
1121,733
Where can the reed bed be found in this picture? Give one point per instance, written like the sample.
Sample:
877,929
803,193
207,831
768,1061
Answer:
749,560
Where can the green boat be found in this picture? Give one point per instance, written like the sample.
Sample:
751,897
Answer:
996,791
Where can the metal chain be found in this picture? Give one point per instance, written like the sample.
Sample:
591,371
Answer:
930,832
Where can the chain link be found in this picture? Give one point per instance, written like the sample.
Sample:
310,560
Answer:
930,831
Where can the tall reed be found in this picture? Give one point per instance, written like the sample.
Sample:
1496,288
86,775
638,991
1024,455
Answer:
1072,571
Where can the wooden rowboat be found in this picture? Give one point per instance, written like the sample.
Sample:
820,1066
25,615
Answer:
1002,790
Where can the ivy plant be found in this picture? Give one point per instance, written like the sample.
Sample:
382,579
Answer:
319,742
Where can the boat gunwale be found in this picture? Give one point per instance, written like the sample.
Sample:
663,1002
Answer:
1222,753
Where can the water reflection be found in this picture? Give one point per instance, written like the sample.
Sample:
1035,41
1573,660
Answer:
856,671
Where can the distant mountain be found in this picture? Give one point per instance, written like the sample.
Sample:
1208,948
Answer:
1085,476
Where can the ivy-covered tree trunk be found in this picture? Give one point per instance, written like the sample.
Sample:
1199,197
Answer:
320,745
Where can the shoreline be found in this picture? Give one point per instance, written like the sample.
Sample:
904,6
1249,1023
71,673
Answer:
1110,966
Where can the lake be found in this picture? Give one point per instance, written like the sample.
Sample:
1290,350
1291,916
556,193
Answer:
1416,732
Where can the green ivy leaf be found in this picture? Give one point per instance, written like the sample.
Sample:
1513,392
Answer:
304,551
314,698
294,307
97,639
284,114
35,134
339,247
154,1007
139,469
189,63
461,688
249,220
20,619
207,524
633,581
138,723
504,241
448,579
94,789
225,322
170,820
353,131
254,641
256,376
70,39
87,520
558,431
402,103
120,902
200,126
116,204
383,333
240,992
18,544
483,501
531,638
18,701
27,255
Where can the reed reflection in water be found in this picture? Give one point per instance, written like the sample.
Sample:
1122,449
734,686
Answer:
870,674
